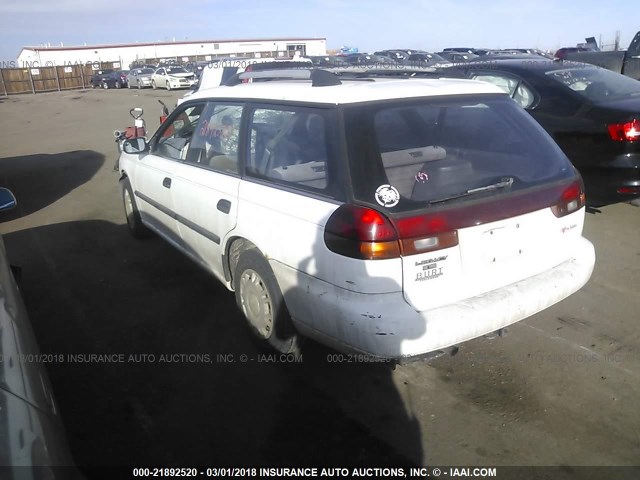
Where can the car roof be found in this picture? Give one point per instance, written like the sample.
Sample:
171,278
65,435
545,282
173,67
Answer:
350,91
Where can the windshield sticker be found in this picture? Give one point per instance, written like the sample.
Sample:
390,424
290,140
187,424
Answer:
422,177
387,196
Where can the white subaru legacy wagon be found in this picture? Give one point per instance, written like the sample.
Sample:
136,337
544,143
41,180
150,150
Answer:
388,217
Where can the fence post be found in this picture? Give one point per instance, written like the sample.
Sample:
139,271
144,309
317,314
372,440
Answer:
4,85
33,87
82,75
57,77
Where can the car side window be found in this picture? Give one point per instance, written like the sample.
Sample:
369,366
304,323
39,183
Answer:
511,85
174,138
289,146
215,141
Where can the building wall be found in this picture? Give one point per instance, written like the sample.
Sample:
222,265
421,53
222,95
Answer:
129,53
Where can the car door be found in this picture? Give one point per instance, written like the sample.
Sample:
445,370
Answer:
205,188
154,178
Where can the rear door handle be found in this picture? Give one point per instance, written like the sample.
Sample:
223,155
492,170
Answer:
224,206
166,182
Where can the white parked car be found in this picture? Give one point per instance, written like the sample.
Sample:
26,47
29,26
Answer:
392,218
172,77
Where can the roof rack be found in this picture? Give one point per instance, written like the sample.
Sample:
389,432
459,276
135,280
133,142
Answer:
318,77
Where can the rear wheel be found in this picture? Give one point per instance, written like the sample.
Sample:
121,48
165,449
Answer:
118,85
134,222
259,298
105,85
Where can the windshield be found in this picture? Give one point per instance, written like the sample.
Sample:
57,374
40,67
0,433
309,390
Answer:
596,84
145,71
434,149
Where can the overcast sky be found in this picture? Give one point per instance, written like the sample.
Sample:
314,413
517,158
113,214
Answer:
369,25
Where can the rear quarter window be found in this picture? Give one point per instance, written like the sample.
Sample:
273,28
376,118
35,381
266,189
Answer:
291,146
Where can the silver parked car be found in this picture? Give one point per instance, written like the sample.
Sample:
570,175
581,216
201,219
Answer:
140,78
32,438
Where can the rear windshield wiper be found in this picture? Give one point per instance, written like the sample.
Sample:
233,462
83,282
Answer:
503,183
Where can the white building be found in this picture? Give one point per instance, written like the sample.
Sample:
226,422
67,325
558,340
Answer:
182,51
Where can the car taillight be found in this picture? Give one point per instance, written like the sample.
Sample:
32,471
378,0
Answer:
364,233
571,199
360,232
625,132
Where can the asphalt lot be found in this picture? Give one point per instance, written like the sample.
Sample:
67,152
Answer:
561,389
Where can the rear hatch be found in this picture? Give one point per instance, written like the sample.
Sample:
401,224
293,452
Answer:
478,193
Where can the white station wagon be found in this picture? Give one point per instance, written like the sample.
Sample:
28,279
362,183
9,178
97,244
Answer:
392,218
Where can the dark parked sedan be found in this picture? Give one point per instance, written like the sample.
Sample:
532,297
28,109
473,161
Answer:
592,113
109,78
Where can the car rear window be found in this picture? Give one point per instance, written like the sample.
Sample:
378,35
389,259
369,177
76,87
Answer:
407,155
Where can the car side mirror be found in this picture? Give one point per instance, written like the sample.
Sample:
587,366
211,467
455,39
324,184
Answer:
135,145
7,200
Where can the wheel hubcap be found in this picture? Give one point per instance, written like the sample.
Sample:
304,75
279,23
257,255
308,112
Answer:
256,303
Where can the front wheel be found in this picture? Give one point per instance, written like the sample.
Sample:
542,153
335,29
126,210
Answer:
259,298
153,84
168,86
134,222
105,85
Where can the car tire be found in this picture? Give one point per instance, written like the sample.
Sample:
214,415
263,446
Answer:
128,84
260,300
105,85
134,222
139,86
153,84
118,84
168,85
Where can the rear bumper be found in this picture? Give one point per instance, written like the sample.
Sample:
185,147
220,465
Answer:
385,326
